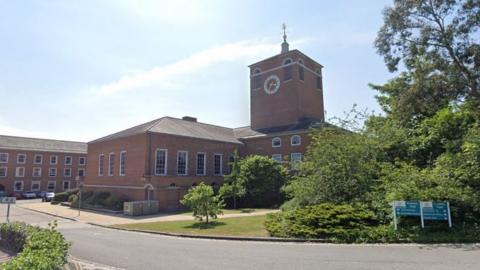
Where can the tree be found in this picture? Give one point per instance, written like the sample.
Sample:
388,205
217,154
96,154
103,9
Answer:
263,178
339,167
203,202
233,187
437,43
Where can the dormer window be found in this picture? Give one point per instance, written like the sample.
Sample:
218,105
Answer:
287,69
276,142
256,79
295,140
301,72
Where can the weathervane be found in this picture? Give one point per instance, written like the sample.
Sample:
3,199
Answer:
284,27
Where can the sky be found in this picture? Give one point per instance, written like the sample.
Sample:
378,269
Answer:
80,70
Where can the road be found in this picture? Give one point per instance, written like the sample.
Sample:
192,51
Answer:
131,250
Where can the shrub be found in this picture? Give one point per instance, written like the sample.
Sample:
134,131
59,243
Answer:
342,222
60,197
114,202
40,249
99,199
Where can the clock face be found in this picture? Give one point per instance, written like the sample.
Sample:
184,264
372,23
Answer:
271,85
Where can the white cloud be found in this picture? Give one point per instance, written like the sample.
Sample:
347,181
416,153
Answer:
165,75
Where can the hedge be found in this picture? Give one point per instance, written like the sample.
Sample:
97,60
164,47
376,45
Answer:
63,196
99,199
38,248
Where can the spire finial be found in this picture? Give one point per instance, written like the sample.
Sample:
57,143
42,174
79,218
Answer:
285,43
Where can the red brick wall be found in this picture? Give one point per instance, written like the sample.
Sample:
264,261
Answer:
263,145
8,182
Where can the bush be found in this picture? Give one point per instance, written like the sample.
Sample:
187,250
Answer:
322,221
99,199
60,197
40,249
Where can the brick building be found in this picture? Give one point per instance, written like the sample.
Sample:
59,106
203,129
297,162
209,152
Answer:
161,159
29,164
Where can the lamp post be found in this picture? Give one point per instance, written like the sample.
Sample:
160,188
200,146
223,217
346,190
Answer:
80,186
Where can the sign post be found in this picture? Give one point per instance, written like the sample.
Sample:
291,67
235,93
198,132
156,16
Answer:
425,210
8,201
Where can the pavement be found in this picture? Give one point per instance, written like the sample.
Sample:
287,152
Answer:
106,219
116,249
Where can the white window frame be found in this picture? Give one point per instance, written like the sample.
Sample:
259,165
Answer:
111,163
274,139
65,161
39,169
63,185
78,172
221,164
294,163
165,163
204,164
15,185
101,164
4,155
65,172
56,160
275,156
25,158
17,174
54,185
122,163
82,163
35,159
299,140
50,170
6,171
35,182
186,161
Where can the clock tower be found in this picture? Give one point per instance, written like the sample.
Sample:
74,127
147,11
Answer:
286,89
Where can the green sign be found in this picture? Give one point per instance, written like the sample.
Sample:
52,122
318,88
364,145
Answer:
407,208
435,210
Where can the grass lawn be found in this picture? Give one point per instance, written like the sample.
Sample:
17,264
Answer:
234,211
238,226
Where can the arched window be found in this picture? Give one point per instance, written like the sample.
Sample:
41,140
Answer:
287,69
276,142
301,72
295,140
319,79
256,79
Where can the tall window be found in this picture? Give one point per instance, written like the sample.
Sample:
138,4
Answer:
277,158
111,164
21,158
161,162
256,79
37,159
217,164
3,171
100,164
3,157
37,172
296,158
295,140
319,81
68,160
182,164
52,172
287,70
66,185
231,160
276,142
82,161
53,160
301,72
18,186
35,186
201,164
20,172
51,185
81,172
123,162
67,172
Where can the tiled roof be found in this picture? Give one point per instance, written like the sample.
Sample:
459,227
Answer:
179,127
44,145
305,125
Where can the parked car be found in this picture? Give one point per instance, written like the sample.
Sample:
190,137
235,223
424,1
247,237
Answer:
41,194
48,197
29,195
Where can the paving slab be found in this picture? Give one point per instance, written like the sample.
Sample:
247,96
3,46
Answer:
107,219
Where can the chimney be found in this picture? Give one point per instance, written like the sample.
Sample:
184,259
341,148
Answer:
189,118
